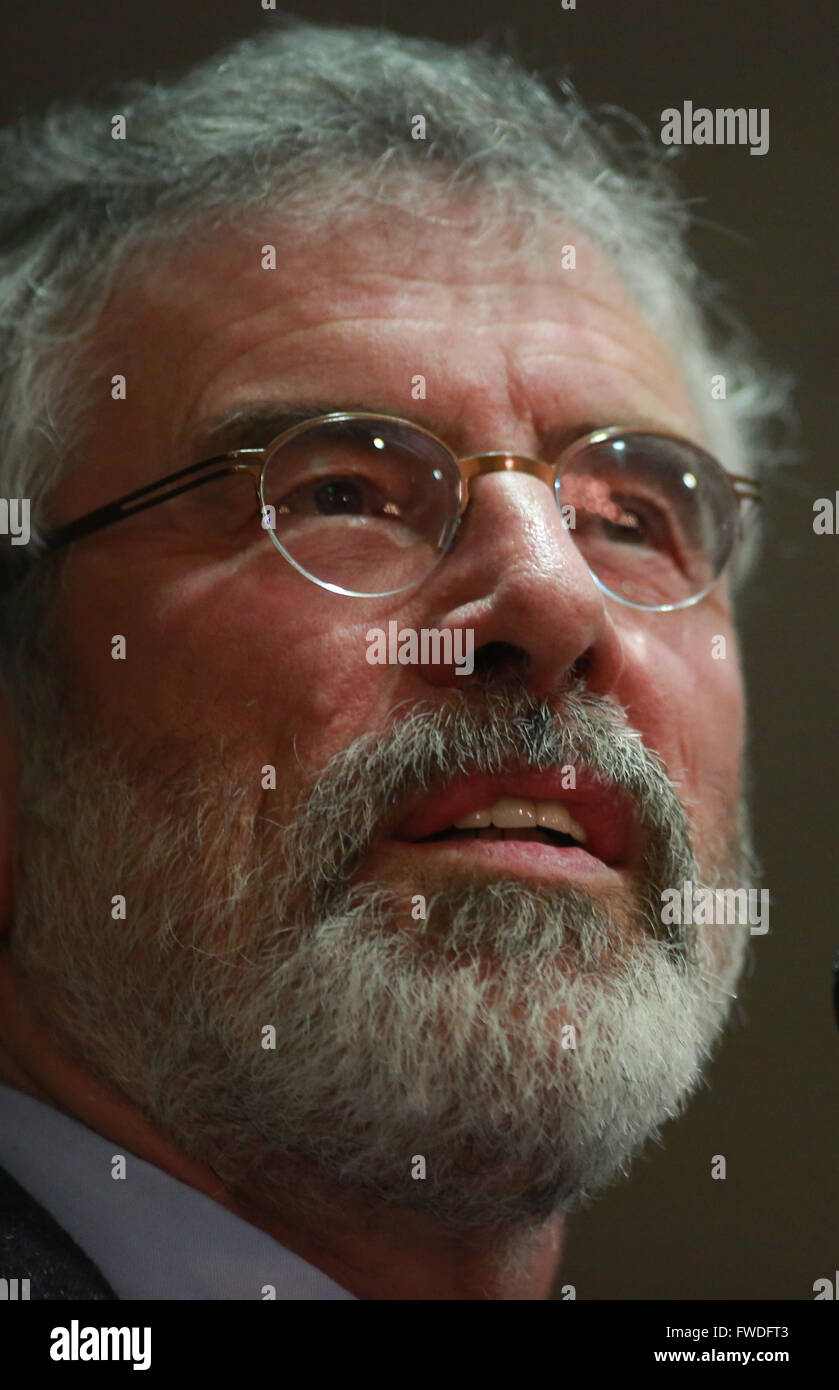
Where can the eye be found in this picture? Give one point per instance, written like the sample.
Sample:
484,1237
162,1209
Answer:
630,530
624,521
339,495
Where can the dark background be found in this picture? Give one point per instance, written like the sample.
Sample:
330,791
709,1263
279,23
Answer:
770,1229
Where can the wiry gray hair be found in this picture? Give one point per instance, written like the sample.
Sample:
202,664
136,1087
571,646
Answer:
311,119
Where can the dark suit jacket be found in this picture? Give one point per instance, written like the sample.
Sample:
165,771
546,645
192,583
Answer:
33,1246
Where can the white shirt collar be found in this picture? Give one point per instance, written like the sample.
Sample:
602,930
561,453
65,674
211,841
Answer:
150,1235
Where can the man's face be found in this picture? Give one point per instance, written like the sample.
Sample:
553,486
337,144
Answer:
235,663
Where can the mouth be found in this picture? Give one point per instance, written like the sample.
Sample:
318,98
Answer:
538,834
527,822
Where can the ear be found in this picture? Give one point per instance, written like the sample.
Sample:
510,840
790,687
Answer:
9,773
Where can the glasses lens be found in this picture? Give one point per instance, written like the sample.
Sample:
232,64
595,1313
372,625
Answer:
654,518
366,507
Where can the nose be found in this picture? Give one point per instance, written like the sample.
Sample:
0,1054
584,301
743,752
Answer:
515,579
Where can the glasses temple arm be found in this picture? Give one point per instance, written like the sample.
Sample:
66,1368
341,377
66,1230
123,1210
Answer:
153,493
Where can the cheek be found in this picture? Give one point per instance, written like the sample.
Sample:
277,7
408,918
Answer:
211,652
684,693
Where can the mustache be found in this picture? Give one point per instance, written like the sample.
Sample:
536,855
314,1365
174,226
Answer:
479,731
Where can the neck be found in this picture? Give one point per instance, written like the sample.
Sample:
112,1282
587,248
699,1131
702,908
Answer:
373,1251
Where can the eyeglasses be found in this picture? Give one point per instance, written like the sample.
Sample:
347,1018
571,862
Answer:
367,505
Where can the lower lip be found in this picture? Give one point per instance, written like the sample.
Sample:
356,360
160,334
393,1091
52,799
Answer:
527,858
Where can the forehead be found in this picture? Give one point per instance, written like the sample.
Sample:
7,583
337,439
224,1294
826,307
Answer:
502,330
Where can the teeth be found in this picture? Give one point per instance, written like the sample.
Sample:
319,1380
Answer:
476,820
513,813
554,816
510,814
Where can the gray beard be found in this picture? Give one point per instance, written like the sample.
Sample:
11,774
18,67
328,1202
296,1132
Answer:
445,1039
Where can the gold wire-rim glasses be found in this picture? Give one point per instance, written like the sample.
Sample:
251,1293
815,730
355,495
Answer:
253,461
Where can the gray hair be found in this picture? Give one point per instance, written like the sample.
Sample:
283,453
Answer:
316,120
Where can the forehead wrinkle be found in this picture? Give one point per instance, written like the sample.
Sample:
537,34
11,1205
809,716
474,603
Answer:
527,405
570,301
457,280
572,298
300,305
534,268
632,371
649,356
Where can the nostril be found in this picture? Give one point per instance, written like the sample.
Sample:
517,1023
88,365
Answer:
582,669
500,659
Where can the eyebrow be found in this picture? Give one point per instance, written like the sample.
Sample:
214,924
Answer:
254,425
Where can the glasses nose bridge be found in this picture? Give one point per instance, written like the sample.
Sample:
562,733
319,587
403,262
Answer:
501,461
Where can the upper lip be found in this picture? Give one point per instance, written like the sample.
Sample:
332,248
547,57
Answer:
605,812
